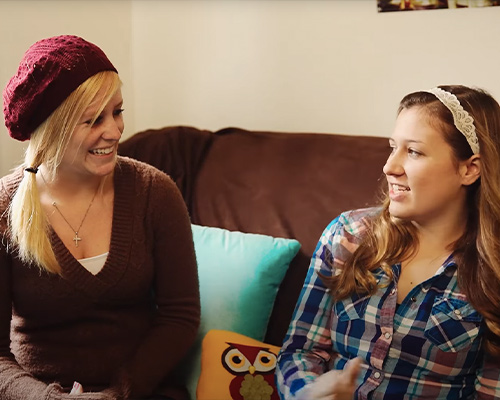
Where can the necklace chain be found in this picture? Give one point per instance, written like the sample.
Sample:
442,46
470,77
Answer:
77,238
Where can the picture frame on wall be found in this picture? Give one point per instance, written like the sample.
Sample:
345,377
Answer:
412,5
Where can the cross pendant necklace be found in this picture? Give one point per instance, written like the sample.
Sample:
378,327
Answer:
76,238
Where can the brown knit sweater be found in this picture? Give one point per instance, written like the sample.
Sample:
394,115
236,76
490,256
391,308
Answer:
118,333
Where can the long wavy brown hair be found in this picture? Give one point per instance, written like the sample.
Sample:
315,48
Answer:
389,240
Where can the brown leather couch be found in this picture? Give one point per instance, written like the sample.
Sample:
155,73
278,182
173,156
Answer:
276,183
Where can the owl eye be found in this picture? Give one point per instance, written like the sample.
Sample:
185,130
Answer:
237,361
265,361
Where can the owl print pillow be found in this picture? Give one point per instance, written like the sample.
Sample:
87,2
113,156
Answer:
236,367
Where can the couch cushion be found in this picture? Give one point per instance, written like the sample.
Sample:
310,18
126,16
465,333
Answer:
175,150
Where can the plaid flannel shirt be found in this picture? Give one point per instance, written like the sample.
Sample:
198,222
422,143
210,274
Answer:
428,347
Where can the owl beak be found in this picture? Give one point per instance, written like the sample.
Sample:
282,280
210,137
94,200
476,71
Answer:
251,370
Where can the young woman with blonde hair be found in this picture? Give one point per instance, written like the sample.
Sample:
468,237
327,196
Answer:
98,281
402,301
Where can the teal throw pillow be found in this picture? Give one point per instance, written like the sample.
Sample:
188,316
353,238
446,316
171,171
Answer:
240,274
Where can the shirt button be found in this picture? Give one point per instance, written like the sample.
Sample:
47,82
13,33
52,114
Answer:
376,375
457,312
393,291
414,299
387,335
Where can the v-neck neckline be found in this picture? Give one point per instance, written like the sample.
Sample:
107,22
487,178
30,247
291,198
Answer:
120,245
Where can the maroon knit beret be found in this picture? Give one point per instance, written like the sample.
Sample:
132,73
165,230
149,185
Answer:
50,70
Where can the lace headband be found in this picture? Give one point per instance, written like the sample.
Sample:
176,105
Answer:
461,118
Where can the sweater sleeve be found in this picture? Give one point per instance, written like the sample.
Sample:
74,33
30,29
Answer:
15,383
176,290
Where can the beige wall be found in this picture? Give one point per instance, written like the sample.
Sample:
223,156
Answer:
299,65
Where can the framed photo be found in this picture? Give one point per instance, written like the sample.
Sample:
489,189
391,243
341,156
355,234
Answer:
411,5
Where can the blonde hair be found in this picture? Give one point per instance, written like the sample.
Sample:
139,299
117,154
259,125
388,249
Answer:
29,227
389,240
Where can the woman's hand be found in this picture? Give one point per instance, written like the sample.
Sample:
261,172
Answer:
107,394
77,392
77,388
333,385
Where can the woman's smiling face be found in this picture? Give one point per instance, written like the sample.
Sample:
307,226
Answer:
423,176
92,148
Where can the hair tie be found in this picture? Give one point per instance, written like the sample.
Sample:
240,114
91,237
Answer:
33,170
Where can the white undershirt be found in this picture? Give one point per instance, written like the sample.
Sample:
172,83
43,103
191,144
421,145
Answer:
94,264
